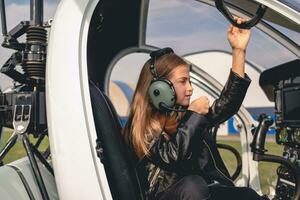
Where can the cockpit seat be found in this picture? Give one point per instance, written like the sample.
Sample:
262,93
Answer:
114,153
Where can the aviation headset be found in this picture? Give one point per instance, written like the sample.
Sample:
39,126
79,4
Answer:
161,90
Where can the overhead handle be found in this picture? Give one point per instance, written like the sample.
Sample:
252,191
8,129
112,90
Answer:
246,25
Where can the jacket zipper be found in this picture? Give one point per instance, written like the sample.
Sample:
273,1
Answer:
216,164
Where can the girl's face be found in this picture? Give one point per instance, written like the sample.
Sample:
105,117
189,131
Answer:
180,77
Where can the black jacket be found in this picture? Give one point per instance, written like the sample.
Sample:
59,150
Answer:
192,150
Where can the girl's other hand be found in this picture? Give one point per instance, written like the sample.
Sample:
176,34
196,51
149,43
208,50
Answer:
200,105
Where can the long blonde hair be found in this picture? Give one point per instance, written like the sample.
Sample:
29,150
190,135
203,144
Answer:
144,121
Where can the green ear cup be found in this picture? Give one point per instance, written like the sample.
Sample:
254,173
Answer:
162,91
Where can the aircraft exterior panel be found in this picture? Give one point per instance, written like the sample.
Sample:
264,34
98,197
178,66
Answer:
72,138
11,186
23,167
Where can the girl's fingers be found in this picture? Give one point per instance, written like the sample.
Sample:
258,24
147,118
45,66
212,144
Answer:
239,20
230,28
235,29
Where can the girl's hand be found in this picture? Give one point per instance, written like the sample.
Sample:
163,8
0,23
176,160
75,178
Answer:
237,37
200,105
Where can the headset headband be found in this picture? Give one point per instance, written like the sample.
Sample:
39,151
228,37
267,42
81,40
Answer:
159,53
156,55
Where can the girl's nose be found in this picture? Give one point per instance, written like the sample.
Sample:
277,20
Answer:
190,87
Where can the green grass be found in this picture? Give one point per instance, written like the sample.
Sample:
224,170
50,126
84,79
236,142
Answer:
18,151
268,175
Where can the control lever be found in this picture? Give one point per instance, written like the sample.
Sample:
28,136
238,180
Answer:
259,136
258,149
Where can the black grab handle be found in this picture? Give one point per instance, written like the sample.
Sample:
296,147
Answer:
246,25
259,136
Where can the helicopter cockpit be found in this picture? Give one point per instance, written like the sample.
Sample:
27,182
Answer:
281,85
94,55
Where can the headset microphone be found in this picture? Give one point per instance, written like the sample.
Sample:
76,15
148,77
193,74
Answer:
164,107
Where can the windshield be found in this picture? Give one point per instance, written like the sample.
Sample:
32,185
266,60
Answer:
294,4
190,26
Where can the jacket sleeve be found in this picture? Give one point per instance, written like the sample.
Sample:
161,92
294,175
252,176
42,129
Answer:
169,153
230,99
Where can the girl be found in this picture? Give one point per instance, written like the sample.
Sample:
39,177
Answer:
176,156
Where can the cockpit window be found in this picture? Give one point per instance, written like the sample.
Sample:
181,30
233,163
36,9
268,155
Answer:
291,34
123,80
295,4
192,26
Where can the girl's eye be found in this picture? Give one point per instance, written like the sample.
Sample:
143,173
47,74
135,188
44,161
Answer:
183,81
